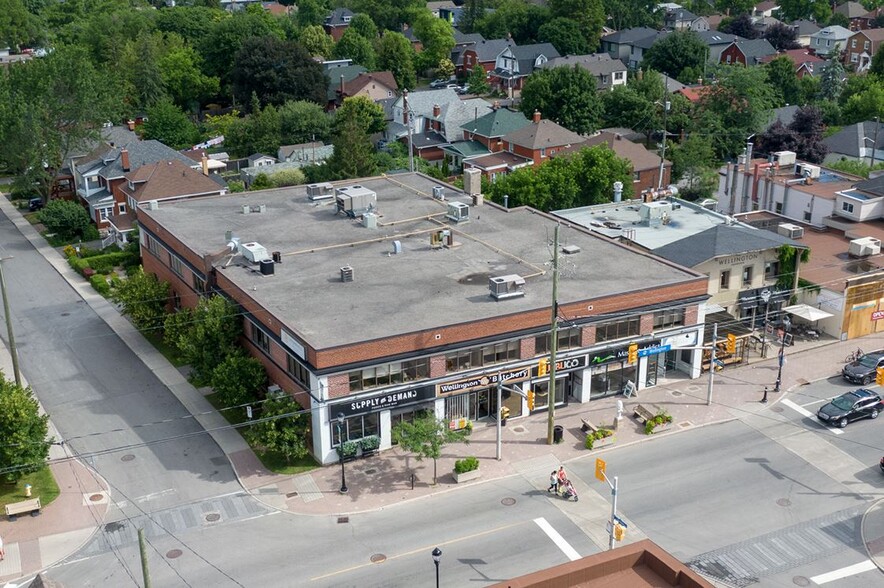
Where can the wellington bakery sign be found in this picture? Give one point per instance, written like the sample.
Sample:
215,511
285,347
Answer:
878,315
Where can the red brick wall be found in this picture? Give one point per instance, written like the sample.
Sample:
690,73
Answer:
646,323
526,348
587,336
338,386
437,366
691,314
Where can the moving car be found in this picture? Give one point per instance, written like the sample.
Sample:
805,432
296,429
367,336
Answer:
850,407
863,370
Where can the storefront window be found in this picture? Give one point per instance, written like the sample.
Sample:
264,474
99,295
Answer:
481,356
541,392
355,428
618,330
567,339
610,379
672,317
389,374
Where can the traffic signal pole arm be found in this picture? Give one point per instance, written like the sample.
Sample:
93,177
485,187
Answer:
616,530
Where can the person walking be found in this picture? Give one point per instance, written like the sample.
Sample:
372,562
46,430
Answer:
2,553
562,478
553,482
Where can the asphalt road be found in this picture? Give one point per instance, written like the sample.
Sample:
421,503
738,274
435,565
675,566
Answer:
99,394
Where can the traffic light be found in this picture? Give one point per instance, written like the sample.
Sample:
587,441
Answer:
633,353
731,343
879,376
619,532
600,469
543,367
530,399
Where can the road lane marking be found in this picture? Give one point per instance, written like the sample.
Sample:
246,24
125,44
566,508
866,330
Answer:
560,542
418,550
804,412
863,566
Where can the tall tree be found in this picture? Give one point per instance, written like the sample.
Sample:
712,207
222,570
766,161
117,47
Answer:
192,23
303,122
877,65
395,54
865,105
694,163
679,54
25,432
356,47
205,335
354,155
17,25
143,298
436,36
625,14
625,107
170,125
277,71
817,10
832,80
809,125
565,95
741,26
478,80
565,35
513,18
588,14
222,44
362,25
781,77
183,80
282,427
316,41
310,12
782,37
367,113
146,77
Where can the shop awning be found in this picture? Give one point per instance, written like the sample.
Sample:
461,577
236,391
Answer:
806,312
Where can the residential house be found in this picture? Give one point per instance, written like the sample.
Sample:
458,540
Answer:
607,71
162,181
375,86
435,6
276,9
452,14
861,48
762,23
260,160
763,9
716,43
828,41
490,129
619,45
483,53
714,20
237,5
859,16
408,33
213,165
783,114
461,42
494,165
804,30
338,22
66,181
305,152
640,46
693,93
862,142
681,19
645,165
330,64
337,81
515,63
540,140
803,59
747,52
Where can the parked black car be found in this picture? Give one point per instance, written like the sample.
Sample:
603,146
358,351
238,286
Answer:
35,204
851,406
863,370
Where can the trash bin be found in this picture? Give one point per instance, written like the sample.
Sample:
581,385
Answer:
558,433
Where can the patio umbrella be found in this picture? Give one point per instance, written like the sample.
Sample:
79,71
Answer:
808,313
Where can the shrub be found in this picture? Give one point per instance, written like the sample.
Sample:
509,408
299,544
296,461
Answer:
67,219
591,438
467,464
348,449
370,443
660,418
99,283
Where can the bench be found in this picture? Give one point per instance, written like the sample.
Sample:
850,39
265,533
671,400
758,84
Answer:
31,506
588,427
642,414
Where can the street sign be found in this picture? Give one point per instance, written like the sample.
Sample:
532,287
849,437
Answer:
621,521
653,350
600,469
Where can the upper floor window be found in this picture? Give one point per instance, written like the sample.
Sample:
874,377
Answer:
724,280
671,317
259,337
771,270
543,152
176,264
747,275
297,371
389,374
122,208
199,284
566,339
105,212
152,244
847,207
477,357
630,327
853,43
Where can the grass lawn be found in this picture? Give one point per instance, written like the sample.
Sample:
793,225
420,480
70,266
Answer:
273,461
42,485
170,353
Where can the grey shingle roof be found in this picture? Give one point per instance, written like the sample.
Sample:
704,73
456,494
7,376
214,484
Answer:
715,38
141,153
458,112
755,49
849,140
339,17
632,35
496,123
461,38
349,72
489,49
873,186
718,241
805,27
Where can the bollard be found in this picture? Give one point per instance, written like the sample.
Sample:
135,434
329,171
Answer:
28,490
764,398
412,481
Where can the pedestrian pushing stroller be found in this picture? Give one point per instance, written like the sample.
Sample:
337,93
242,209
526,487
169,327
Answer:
570,493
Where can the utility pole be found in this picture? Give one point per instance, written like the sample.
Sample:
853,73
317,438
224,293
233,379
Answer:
407,114
745,205
712,365
875,146
143,548
13,351
499,419
663,153
553,341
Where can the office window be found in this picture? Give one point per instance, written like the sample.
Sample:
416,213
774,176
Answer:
847,207
630,327
567,339
724,280
176,264
297,371
771,270
259,337
747,275
477,357
671,317
389,374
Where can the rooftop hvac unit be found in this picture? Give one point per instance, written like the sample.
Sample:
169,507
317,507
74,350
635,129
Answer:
653,213
323,191
370,220
438,193
511,286
789,230
784,158
806,170
355,200
472,181
346,274
458,212
864,247
153,205
254,252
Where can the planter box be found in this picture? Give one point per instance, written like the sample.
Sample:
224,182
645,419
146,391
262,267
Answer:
599,443
661,428
466,476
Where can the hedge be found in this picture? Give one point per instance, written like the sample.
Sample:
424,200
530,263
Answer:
99,283
102,264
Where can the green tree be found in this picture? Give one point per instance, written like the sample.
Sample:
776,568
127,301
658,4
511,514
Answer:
367,113
205,335
782,79
693,161
436,37
25,432
565,35
239,379
220,124
282,427
147,80
675,53
832,80
310,12
221,45
588,14
877,65
168,124
445,70
794,9
356,47
864,106
782,36
362,25
625,107
277,71
565,95
625,14
316,41
183,80
303,122
143,298
261,182
67,219
287,177
517,18
17,25
395,54
353,155
478,80
191,23
425,436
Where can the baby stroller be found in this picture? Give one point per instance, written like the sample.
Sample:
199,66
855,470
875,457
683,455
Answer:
570,493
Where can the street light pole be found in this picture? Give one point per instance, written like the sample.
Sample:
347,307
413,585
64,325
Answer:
787,324
663,153
765,296
437,556
875,146
341,452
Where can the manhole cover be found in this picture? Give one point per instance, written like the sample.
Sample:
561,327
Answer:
96,497
676,393
174,553
370,471
378,558
508,501
776,408
342,520
784,502
112,527
801,581
127,457
291,494
65,314
213,517
518,429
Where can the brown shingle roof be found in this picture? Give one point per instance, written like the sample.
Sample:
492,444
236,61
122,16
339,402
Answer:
544,134
359,82
641,158
169,179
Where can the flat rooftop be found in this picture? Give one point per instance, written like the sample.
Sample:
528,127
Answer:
418,289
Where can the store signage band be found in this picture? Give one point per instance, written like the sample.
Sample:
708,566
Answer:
622,353
656,349
484,381
384,401
565,365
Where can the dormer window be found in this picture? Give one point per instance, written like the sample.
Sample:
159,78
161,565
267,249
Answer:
131,185
347,19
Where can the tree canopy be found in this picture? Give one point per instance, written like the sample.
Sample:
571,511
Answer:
679,54
277,71
566,95
25,432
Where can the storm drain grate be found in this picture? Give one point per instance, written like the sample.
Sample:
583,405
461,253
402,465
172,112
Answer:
378,558
685,424
370,471
213,517
801,581
342,520
174,553
676,393
96,497
127,457
518,429
291,494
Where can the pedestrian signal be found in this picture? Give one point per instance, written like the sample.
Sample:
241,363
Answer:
633,353
619,532
600,469
543,367
731,343
530,399
879,376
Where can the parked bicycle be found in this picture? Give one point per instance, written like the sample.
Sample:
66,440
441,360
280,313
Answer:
854,356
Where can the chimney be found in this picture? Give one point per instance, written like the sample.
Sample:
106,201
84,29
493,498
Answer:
405,107
640,74
437,110
342,87
131,124
536,117
496,105
205,162
124,159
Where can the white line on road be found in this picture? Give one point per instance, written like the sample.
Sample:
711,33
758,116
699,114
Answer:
804,412
566,548
863,566
153,495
